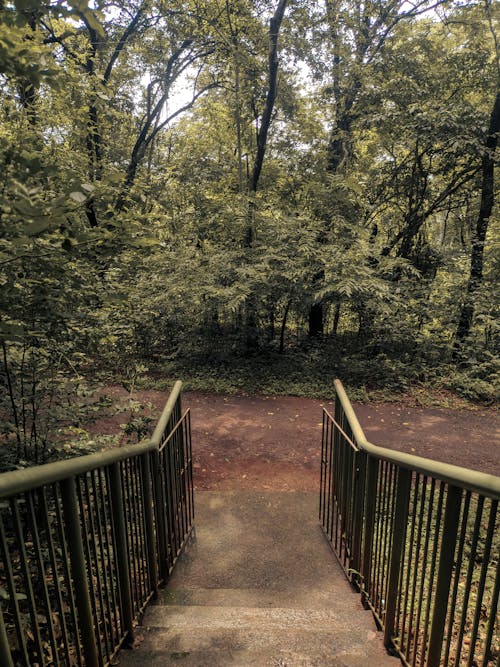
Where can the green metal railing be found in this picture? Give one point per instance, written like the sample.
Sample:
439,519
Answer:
85,543
419,539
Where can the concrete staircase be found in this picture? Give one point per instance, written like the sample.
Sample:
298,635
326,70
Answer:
258,585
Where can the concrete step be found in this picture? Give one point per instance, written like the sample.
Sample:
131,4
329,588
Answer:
257,585
243,637
207,617
249,658
257,597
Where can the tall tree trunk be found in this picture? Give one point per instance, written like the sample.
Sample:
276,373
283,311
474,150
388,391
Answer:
479,236
274,28
336,319
28,91
316,325
283,326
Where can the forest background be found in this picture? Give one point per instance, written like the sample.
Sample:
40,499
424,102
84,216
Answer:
251,195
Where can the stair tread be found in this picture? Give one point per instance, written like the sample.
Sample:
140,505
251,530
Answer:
319,645
317,598
234,617
258,585
253,658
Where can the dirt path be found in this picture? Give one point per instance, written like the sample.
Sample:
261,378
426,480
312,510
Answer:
274,442
264,443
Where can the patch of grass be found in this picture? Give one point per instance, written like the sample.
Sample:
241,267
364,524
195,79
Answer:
310,374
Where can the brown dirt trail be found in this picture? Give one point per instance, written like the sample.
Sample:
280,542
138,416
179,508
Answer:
243,442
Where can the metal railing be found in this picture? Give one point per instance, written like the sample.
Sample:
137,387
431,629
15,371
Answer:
419,539
85,543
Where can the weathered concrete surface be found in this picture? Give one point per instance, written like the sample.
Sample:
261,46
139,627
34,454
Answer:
258,585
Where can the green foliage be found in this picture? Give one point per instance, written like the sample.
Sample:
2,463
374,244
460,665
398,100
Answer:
124,223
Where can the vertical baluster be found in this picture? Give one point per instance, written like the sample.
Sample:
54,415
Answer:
430,580
369,526
468,579
168,506
423,569
421,491
102,564
382,537
42,574
161,518
174,449
84,514
446,559
322,471
458,567
185,458
411,565
131,534
21,541
12,594
149,522
330,488
93,555
191,485
137,523
358,507
389,514
493,613
5,654
398,541
75,547
118,511
65,560
55,573
107,524
482,579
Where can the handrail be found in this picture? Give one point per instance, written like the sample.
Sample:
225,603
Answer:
85,543
418,539
18,481
157,436
472,480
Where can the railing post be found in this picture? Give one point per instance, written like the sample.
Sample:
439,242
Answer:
369,523
359,497
446,559
79,571
123,571
5,654
160,517
399,523
147,482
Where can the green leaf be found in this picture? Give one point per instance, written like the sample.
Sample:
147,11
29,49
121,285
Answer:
11,331
78,197
93,22
37,227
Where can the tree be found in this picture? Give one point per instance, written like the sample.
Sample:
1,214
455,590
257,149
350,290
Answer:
481,227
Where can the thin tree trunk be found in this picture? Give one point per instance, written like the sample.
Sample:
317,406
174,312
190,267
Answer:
316,326
13,406
479,236
283,327
336,319
241,185
274,27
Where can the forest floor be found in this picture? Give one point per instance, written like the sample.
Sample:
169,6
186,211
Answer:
274,442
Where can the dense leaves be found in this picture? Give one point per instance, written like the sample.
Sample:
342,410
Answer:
132,230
